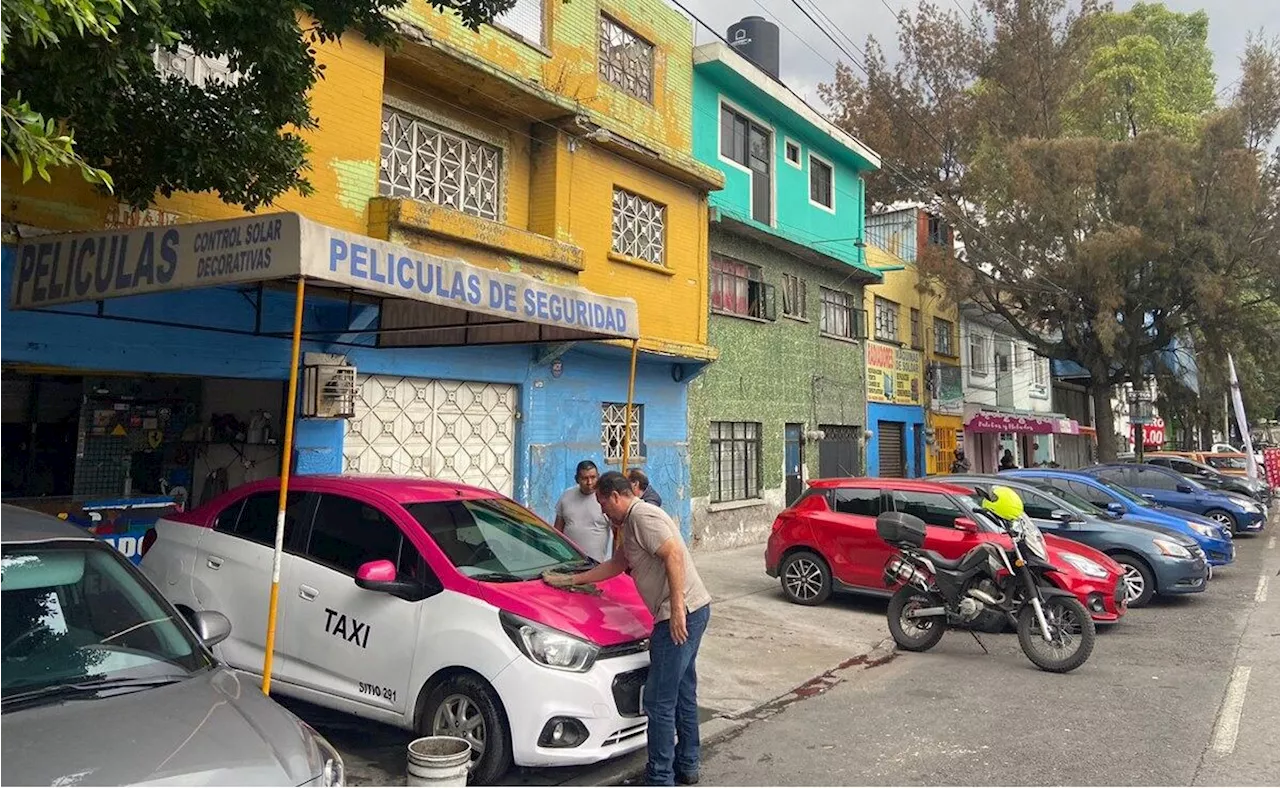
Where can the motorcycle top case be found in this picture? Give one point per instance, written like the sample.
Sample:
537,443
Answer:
901,528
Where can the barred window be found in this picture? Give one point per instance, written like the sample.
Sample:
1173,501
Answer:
626,59
839,316
943,337
735,461
886,319
424,162
639,227
613,427
795,297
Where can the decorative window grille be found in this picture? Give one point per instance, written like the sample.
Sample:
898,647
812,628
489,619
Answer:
423,162
626,59
613,421
639,227
735,461
524,18
199,70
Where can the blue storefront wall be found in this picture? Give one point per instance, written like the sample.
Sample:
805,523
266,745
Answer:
559,420
912,418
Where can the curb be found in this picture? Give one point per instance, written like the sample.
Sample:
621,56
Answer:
722,726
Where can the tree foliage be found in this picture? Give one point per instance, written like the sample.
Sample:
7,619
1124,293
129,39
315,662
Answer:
81,88
1105,203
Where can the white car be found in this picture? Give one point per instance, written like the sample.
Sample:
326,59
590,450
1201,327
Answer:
419,604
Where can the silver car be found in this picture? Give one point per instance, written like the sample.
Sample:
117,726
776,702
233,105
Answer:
105,683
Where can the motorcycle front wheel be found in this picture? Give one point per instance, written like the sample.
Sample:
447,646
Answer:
1071,634
915,634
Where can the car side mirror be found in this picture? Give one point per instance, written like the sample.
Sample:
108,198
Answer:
1149,498
967,525
1064,516
1183,487
1115,509
381,576
211,626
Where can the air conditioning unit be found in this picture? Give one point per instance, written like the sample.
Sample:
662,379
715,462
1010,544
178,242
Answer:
328,387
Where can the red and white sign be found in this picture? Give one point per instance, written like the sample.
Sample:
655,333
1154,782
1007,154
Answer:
1271,464
1153,434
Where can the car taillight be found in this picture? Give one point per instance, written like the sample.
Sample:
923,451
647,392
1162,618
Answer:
148,539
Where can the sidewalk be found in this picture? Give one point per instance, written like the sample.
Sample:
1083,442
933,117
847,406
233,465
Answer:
759,651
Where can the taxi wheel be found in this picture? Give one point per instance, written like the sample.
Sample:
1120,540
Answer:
466,707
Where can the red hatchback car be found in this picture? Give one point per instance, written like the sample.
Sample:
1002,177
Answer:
827,541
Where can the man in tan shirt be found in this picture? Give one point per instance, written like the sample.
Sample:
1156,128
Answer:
654,554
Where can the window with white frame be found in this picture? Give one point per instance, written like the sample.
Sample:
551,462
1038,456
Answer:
795,297
840,318
422,161
979,358
613,429
639,227
626,59
735,461
793,153
524,18
887,319
821,182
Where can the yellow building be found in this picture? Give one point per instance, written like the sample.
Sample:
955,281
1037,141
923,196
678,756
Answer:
914,342
556,143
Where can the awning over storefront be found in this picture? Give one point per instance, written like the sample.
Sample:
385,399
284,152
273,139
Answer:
991,421
425,299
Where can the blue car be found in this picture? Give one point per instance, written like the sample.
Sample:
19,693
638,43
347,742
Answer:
1169,488
1214,539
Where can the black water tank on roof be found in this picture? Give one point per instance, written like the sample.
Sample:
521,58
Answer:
756,39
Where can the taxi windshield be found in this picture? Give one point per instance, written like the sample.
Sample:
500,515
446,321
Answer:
74,614
494,539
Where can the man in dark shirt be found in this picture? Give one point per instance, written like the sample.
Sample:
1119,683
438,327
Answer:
640,486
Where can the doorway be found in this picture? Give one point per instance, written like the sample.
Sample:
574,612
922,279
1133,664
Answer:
793,457
893,456
838,453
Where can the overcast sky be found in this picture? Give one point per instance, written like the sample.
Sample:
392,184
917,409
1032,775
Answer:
808,55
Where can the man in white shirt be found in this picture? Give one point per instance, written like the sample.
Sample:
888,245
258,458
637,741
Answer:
579,516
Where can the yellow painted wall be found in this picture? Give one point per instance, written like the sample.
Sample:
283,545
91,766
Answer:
904,287
566,64
344,160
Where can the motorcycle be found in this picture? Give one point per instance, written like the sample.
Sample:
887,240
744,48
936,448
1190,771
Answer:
1055,630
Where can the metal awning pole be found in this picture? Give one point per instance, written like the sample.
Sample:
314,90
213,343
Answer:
626,427
291,407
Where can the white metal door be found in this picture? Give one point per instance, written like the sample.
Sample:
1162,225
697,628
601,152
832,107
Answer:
444,429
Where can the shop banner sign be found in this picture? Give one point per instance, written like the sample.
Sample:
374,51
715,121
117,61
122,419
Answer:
78,267
93,266
894,375
950,394
400,271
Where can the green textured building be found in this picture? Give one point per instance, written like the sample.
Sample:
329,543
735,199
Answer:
786,401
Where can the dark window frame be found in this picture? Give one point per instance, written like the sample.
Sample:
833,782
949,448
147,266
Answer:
917,329
817,189
840,307
887,314
757,298
795,293
738,451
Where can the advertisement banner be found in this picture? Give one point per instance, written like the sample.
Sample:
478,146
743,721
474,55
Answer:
950,390
894,375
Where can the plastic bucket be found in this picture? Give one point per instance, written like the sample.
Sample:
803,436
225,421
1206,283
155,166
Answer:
439,761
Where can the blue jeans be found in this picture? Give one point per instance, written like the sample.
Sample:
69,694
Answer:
671,701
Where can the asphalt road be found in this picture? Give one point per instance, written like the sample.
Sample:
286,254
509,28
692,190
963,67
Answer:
1184,692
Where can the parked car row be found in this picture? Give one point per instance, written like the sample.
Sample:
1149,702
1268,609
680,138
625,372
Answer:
415,603
1117,534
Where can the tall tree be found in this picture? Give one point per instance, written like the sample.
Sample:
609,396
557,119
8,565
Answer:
1105,205
81,88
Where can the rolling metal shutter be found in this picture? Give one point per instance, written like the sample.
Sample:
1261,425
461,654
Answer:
893,457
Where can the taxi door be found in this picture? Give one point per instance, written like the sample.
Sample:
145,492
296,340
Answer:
355,645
